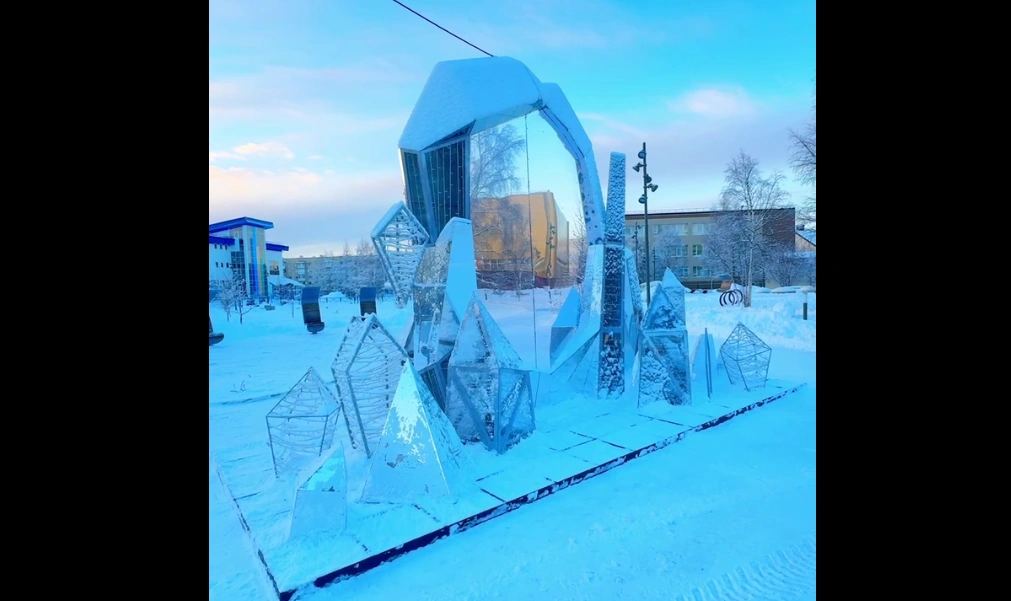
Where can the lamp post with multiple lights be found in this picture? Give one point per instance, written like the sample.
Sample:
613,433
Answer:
647,187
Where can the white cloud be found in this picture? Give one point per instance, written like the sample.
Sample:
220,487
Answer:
315,157
214,156
308,208
687,157
715,103
265,149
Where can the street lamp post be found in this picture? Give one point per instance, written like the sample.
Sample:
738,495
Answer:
647,187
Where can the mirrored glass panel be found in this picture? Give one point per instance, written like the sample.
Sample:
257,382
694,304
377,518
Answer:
556,217
501,218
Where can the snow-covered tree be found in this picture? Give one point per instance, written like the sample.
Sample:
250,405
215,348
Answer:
750,197
493,164
785,265
232,296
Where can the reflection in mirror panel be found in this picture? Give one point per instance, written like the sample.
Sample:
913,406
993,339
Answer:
503,248
559,246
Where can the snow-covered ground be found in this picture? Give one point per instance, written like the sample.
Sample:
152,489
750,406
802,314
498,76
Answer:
718,501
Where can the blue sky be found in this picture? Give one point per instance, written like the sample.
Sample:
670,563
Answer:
307,99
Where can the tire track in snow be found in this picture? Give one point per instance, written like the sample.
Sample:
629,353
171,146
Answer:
781,576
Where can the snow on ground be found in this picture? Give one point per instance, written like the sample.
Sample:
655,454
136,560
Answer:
655,529
695,491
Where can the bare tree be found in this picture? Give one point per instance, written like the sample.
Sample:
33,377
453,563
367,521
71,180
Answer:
668,251
803,158
494,153
365,248
347,249
725,250
786,266
232,296
807,266
751,195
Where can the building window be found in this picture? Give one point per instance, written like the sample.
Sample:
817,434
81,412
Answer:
275,268
696,250
656,229
700,272
680,250
699,229
679,229
683,271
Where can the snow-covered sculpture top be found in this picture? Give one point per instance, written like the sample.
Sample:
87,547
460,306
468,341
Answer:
469,96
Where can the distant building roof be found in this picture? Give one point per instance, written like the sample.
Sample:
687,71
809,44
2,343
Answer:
808,235
241,221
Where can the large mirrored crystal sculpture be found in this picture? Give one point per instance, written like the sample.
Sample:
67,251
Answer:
664,369
418,455
301,426
321,501
366,371
611,379
400,240
490,142
489,394
746,358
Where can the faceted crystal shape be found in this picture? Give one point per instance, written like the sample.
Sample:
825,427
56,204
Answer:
746,358
489,398
662,313
400,240
444,282
418,454
703,361
321,501
663,368
366,370
676,294
611,378
565,323
301,426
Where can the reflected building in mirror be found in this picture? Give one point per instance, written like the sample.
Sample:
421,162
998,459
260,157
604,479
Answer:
521,241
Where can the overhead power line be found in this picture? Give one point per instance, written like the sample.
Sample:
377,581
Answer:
444,29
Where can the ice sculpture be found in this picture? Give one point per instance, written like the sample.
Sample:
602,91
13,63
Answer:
321,501
418,455
489,394
301,426
445,280
664,371
676,293
400,239
611,380
746,358
565,323
366,371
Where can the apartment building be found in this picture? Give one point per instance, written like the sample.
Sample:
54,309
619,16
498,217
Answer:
680,239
